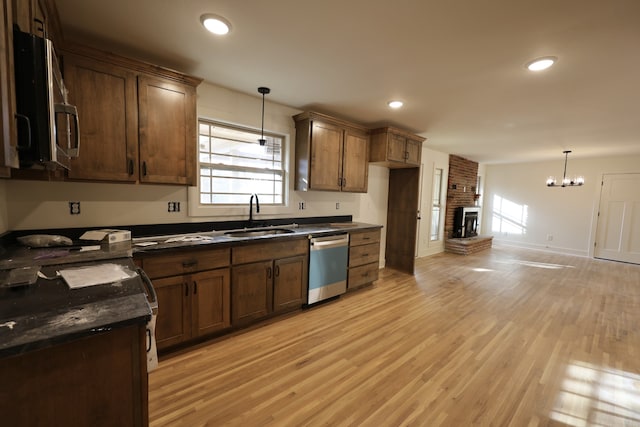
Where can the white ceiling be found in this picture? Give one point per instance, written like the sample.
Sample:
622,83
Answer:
458,65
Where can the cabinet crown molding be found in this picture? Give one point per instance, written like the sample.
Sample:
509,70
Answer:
132,64
397,131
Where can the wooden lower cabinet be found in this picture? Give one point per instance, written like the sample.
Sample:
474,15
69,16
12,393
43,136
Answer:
364,258
210,310
290,283
252,291
99,380
194,294
172,323
191,306
268,278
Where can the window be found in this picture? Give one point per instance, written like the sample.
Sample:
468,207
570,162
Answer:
233,165
436,204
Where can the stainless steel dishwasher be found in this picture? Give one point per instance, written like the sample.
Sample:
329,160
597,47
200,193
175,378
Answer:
328,257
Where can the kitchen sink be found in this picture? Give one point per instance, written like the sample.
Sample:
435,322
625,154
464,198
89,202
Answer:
257,233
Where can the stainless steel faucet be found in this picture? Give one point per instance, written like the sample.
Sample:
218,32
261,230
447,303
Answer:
251,207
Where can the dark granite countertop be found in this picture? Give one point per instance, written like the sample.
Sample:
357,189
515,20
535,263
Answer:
190,240
48,312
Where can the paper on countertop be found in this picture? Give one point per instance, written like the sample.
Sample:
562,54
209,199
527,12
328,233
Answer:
95,275
93,235
146,243
196,238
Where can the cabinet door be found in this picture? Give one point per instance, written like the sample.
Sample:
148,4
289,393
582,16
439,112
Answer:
396,148
326,157
355,167
251,292
105,96
211,301
173,324
290,283
414,152
8,151
167,119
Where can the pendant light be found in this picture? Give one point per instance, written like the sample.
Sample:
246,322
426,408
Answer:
263,90
566,182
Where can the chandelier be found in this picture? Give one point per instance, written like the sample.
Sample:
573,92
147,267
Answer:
566,181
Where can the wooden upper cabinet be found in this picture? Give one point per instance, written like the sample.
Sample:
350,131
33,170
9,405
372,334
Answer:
8,132
355,168
331,154
137,121
105,96
167,115
395,148
326,156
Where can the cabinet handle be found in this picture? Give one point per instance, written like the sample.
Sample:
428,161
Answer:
195,287
144,168
365,254
41,29
277,272
406,155
130,166
186,289
28,128
366,238
344,182
339,182
190,263
268,272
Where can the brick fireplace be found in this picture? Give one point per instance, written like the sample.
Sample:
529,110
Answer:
461,188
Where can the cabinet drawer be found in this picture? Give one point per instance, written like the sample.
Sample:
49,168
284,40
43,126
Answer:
185,262
364,238
365,254
271,250
362,275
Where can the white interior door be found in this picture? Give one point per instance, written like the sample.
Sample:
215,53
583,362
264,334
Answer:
618,233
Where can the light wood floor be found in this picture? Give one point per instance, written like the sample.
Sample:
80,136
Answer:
502,337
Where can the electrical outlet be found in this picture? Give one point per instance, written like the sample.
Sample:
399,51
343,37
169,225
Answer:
301,206
337,205
74,208
549,237
173,207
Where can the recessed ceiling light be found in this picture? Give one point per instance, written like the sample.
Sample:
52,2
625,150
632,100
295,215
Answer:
215,24
540,64
395,104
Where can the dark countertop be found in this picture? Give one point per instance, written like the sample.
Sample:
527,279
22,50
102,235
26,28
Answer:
190,240
48,312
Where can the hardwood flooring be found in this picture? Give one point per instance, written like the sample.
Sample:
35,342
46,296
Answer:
501,337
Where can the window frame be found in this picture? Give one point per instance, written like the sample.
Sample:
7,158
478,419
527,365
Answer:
238,168
198,209
437,206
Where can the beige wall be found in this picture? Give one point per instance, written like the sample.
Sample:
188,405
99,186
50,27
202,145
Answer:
568,215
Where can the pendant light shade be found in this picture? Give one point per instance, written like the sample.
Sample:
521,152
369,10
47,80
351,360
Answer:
263,90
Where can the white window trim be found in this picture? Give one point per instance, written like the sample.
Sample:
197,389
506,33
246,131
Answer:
197,209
